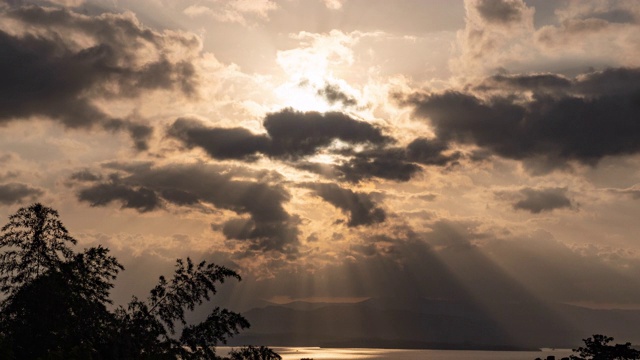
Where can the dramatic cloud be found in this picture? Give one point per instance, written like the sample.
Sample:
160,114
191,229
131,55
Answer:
430,152
16,193
497,35
538,200
291,134
219,143
609,25
592,117
610,81
297,134
536,82
501,35
334,95
500,11
85,175
390,164
395,163
145,188
341,149
139,198
103,57
360,207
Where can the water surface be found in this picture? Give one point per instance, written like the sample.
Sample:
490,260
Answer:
316,353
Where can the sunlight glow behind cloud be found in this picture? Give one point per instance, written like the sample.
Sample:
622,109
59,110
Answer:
338,149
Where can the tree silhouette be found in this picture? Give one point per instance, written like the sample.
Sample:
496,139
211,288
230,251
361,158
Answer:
597,348
34,241
63,310
148,326
56,301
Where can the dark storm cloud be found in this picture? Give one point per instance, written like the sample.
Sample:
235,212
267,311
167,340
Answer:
390,164
535,82
384,163
40,76
15,193
277,236
430,152
145,188
85,176
538,200
44,73
295,134
360,207
140,134
500,11
594,117
396,163
290,134
219,143
333,94
139,198
610,82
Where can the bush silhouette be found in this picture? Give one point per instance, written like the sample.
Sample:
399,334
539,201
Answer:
598,348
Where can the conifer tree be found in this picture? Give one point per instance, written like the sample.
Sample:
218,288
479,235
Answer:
34,241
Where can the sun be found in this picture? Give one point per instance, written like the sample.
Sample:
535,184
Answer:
302,94
309,69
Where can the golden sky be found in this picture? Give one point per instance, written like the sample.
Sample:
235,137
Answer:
336,149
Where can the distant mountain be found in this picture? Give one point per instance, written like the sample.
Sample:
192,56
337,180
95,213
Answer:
303,305
423,323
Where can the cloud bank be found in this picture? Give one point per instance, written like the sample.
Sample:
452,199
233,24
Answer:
546,118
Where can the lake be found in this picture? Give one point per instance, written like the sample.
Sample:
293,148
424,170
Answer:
316,353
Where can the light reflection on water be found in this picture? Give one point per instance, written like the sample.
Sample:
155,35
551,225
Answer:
316,353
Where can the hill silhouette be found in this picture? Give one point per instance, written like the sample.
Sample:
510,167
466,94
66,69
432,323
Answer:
391,322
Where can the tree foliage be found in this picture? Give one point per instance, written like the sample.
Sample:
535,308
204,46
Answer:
57,313
149,325
56,299
56,302
34,242
598,348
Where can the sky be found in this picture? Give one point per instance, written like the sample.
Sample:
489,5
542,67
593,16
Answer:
335,150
